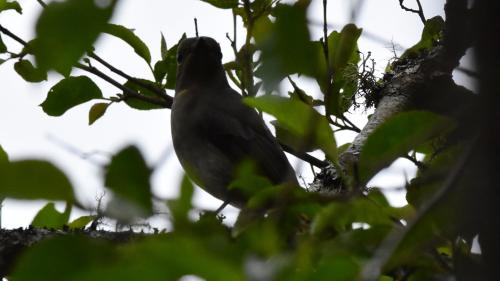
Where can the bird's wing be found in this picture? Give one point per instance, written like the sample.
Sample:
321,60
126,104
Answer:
240,132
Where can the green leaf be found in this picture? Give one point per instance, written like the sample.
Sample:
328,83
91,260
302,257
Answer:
139,104
128,176
344,57
131,39
66,30
290,139
4,158
430,35
395,137
163,47
182,205
300,120
287,49
341,215
49,217
247,179
14,5
85,254
34,179
97,111
29,72
3,48
223,4
168,66
147,259
81,222
343,47
69,93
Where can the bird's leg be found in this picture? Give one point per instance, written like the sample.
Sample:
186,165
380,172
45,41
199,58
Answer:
224,205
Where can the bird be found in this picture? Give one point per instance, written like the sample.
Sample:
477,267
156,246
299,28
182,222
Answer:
213,131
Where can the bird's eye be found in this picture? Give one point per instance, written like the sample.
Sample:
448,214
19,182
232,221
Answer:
180,58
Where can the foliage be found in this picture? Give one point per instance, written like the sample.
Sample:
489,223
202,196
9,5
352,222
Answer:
307,236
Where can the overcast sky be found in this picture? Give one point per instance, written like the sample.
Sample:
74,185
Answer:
27,132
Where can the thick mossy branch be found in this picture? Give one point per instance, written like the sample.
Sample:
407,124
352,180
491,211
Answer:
423,83
13,242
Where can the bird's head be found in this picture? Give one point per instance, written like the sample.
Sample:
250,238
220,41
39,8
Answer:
199,63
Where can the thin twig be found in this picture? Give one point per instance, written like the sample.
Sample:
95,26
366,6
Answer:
305,157
354,127
196,26
326,54
340,126
419,12
129,93
12,35
157,91
468,72
247,80
43,4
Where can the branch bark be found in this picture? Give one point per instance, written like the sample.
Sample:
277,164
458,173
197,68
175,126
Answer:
13,242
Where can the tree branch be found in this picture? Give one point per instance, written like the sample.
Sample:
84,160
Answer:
129,93
159,92
13,242
419,12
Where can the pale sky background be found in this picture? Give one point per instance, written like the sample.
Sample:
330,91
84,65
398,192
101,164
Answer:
27,132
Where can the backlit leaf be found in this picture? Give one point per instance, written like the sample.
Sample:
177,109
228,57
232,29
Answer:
66,30
397,136
97,111
49,217
34,179
300,120
128,176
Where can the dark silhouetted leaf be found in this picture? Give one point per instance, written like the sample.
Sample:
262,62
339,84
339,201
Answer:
395,137
300,120
29,72
49,217
10,5
139,104
66,30
97,111
34,179
223,4
128,176
81,222
69,93
131,39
